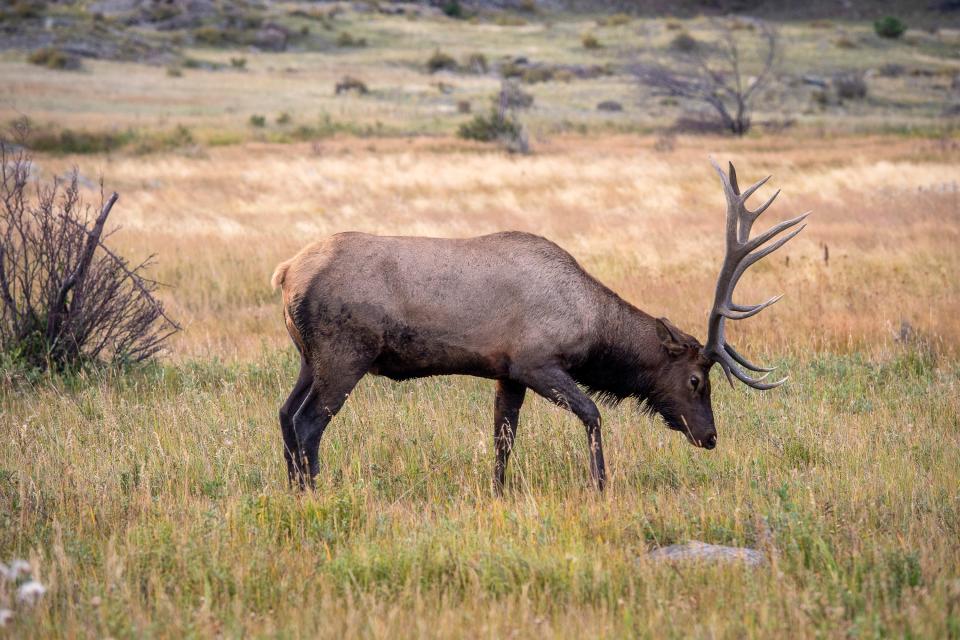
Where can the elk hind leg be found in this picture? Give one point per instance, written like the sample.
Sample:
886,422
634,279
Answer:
506,415
326,396
287,411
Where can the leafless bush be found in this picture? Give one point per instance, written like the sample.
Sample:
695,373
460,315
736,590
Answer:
65,297
713,73
850,86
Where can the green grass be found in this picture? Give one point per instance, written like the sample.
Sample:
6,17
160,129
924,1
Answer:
155,504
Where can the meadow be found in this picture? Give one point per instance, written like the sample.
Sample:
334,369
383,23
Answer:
153,502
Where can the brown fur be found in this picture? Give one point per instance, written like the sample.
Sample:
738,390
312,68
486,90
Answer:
511,306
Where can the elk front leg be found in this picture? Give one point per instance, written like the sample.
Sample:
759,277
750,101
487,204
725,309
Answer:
506,414
556,385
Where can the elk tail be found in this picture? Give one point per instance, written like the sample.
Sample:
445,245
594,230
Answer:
280,274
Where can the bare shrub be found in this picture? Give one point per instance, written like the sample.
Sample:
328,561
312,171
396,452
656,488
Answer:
351,83
850,86
714,73
65,297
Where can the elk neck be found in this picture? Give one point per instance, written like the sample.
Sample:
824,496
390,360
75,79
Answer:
625,355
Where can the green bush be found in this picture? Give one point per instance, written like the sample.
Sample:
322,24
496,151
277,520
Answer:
440,61
238,63
77,142
487,128
258,121
889,27
453,9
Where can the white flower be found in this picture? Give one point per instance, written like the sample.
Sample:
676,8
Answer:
30,592
13,572
5,616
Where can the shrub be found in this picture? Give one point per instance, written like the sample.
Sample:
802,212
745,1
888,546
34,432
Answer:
284,118
589,41
174,71
453,9
674,25
350,83
615,20
477,63
844,41
684,43
440,61
66,298
211,36
490,127
238,63
76,142
511,96
258,121
508,20
892,70
533,75
889,27
609,105
345,39
53,58
463,106
510,69
850,86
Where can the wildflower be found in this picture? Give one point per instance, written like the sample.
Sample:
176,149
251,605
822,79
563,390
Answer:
30,593
11,573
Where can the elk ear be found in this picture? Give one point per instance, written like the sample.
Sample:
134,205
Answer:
669,337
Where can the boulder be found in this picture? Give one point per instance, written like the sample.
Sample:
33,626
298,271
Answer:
701,552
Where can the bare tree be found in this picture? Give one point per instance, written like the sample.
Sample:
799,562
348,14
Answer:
65,297
713,73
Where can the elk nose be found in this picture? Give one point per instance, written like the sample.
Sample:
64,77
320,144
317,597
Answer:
710,441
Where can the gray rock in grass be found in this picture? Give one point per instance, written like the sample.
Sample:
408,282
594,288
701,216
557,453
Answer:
696,551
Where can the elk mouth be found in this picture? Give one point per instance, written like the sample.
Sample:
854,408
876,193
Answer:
708,443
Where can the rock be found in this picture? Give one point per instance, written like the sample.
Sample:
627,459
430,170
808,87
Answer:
696,551
609,105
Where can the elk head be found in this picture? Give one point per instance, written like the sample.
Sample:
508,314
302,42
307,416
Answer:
682,395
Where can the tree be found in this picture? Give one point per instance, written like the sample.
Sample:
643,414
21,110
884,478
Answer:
713,73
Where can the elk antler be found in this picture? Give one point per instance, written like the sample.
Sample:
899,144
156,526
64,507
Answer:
737,260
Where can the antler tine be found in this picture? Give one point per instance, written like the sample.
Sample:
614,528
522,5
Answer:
775,230
753,188
743,361
729,367
738,312
763,207
741,253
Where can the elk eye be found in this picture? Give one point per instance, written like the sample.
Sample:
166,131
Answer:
694,382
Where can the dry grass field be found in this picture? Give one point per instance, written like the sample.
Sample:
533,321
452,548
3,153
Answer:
153,502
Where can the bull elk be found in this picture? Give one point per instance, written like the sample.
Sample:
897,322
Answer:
513,307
